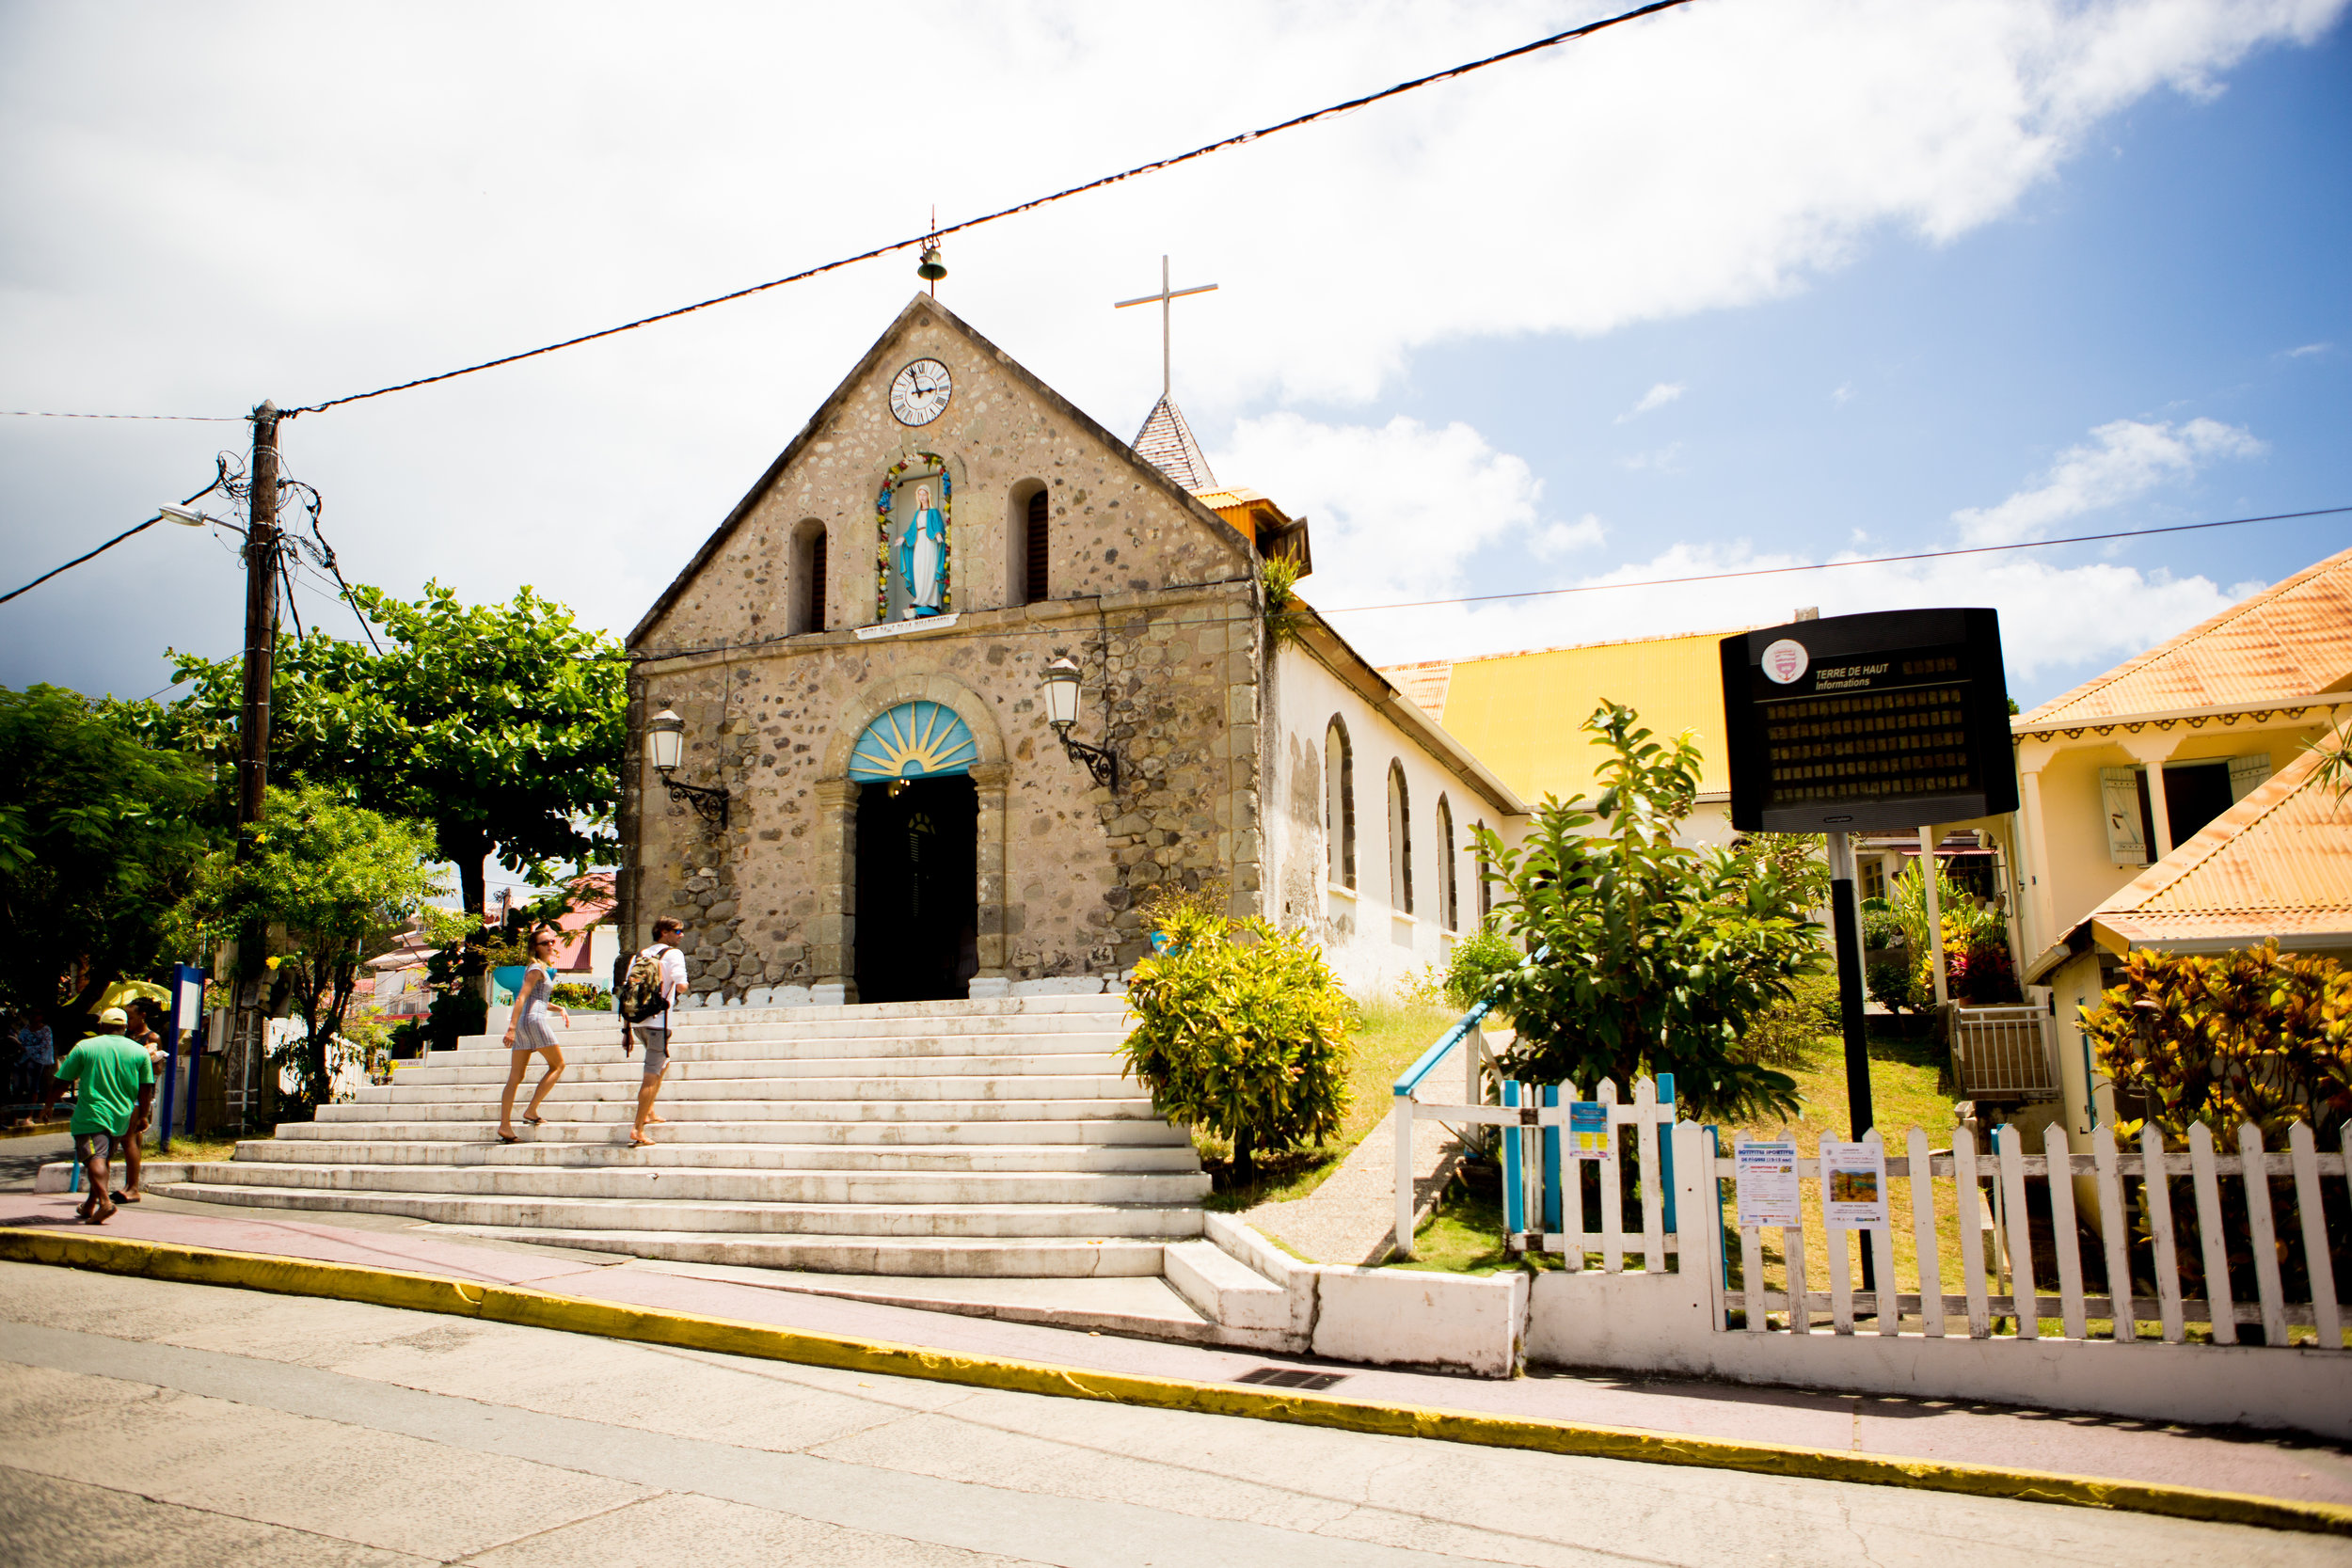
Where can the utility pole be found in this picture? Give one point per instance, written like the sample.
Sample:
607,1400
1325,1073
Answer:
260,664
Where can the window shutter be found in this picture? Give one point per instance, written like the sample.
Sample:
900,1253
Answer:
817,583
2119,792
2247,774
1033,577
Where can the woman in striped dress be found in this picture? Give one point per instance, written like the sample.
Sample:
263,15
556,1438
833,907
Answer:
527,1031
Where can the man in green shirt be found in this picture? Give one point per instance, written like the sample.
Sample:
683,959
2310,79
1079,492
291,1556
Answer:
114,1080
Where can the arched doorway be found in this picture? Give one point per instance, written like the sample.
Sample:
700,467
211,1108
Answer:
917,932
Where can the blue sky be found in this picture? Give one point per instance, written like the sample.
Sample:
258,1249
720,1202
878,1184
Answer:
1750,284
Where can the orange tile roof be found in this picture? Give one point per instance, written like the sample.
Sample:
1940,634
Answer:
1423,684
2292,640
2277,863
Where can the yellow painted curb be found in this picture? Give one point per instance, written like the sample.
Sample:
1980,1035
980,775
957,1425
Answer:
466,1298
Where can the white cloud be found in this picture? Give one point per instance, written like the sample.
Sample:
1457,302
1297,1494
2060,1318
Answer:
2308,350
1660,461
1398,510
1843,395
1555,540
2124,458
1657,397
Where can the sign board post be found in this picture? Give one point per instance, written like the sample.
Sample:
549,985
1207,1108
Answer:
1855,724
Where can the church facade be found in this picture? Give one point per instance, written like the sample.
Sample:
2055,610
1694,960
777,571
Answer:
871,800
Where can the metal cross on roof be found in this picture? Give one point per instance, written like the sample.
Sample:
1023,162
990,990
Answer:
1162,299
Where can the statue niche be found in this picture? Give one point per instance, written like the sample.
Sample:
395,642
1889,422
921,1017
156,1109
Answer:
915,540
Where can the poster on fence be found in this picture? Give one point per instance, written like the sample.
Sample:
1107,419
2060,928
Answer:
1766,1180
1854,1185
1589,1129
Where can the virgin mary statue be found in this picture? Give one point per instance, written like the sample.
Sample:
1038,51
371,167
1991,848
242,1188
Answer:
923,555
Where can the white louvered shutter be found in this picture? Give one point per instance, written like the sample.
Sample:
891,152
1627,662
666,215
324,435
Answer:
2118,796
2247,774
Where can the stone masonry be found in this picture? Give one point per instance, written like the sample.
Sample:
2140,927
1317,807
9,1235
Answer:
1152,597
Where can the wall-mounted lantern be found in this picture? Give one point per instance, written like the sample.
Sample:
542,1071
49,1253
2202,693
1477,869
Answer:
665,745
1061,711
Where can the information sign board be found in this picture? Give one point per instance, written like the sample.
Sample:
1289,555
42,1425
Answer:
1876,721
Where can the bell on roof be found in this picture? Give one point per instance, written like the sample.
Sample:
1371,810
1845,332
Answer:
930,269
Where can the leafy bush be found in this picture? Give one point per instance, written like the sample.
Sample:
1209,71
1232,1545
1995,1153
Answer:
1781,1033
1242,1031
588,998
1976,970
2253,1035
1477,960
1658,956
1880,926
1895,984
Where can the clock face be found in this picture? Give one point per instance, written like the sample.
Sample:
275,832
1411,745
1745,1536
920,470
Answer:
918,394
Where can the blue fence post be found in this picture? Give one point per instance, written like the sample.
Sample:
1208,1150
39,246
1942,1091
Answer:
1666,1145
1552,1189
1514,1174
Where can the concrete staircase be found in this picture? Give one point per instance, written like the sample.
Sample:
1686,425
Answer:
993,1138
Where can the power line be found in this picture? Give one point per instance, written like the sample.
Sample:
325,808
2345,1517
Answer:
105,548
45,413
1830,565
934,235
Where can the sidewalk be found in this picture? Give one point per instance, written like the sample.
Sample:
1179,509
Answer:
2076,1445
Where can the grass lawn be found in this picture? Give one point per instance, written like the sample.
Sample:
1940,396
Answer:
1391,1037
184,1146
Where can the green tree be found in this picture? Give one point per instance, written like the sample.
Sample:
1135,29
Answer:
327,877
100,835
1644,956
502,725
1241,1029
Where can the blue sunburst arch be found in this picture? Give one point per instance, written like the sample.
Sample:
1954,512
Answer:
913,740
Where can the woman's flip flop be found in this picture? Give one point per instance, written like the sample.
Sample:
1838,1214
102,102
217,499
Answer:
509,1138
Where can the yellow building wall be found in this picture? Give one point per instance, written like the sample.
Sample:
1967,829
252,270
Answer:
1521,714
2082,876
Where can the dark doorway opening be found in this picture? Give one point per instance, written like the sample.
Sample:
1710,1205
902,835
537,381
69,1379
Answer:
917,891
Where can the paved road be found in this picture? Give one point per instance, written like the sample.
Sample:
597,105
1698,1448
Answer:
153,1423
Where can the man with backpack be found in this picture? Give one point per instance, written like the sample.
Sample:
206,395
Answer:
643,999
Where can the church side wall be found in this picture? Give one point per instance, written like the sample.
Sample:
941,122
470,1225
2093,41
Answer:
1170,688
1368,938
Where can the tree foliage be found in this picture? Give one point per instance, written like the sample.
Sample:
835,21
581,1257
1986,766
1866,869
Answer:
1242,1030
2252,1035
100,835
1655,956
326,878
502,725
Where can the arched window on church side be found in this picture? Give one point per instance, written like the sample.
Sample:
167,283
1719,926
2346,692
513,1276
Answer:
1445,865
806,582
1400,841
1485,883
1339,807
1034,579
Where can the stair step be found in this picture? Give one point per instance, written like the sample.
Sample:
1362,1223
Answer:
1036,1258
619,1070
624,1182
618,1109
1120,1158
479,1129
970,1221
691,1086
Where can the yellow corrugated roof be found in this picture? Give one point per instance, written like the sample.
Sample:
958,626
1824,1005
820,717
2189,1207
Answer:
1521,714
2292,640
2277,863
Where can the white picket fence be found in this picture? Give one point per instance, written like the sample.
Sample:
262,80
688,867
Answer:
2008,1171
1992,1275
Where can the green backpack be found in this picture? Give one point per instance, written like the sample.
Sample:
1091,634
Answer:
640,995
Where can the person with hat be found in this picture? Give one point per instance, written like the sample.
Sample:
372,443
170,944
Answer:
113,1083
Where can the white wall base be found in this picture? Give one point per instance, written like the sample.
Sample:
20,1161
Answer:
1659,1324
988,988
1063,985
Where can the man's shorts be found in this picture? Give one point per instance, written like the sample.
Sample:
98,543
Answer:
95,1146
657,1044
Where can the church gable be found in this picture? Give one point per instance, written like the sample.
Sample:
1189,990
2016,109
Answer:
941,478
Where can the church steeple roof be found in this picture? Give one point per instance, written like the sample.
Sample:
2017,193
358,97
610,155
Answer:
1165,442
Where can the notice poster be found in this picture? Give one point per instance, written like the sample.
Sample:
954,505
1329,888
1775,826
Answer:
1589,1129
1854,1185
1765,1179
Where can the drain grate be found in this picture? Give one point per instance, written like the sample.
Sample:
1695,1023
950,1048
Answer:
1290,1377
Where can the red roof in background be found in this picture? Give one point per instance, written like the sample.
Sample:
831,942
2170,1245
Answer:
598,886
